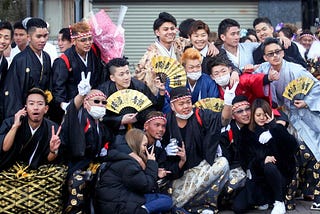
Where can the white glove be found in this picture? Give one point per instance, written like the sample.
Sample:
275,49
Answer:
84,86
64,106
265,137
229,94
172,149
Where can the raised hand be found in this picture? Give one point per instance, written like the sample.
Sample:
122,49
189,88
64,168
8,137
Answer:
84,85
151,155
229,94
55,139
19,116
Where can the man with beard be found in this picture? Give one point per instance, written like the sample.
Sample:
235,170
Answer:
28,136
30,68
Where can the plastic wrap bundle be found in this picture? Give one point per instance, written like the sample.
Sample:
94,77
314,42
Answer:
109,37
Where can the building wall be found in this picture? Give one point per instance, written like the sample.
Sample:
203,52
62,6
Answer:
281,11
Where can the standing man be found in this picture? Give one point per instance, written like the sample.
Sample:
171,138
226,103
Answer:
264,30
30,68
20,37
6,34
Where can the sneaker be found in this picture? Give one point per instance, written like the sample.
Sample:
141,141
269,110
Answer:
207,211
315,206
263,207
278,208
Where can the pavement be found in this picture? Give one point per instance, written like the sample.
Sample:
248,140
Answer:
302,207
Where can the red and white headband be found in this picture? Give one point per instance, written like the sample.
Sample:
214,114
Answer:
180,98
79,35
95,95
308,35
155,118
237,105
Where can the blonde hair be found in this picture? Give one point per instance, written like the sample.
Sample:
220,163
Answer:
134,139
79,28
190,53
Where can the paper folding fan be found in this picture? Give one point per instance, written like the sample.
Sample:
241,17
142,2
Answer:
127,101
214,104
169,69
298,88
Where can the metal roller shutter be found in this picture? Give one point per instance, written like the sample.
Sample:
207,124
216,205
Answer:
140,16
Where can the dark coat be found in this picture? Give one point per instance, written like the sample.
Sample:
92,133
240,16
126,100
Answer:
3,74
201,138
25,72
65,82
122,184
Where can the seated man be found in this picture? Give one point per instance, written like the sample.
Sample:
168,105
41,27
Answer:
85,138
120,78
29,137
198,131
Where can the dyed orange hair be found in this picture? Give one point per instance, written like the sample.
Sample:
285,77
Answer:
190,53
79,28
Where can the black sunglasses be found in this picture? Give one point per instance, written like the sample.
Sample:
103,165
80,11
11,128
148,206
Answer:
104,102
240,111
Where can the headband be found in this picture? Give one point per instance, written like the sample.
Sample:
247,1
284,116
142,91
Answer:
79,35
95,95
180,98
307,35
157,117
237,105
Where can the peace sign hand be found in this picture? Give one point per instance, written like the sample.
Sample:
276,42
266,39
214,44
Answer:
84,85
229,94
151,155
55,139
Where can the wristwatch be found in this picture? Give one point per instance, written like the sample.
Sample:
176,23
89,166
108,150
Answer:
55,152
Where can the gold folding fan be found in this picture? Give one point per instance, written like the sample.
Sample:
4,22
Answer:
214,104
125,99
298,88
169,69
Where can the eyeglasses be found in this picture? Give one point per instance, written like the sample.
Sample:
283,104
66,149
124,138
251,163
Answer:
275,53
85,39
104,102
241,111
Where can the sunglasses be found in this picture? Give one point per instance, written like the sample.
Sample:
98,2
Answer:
275,53
104,102
241,111
86,39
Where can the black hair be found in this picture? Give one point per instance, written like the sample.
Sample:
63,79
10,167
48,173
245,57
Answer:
239,98
162,18
8,26
65,34
117,62
38,91
269,41
215,61
261,20
184,27
35,23
225,24
287,31
19,25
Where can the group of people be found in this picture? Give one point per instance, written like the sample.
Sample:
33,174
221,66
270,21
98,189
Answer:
170,156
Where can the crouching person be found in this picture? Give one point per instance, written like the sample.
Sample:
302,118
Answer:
29,152
202,172
127,182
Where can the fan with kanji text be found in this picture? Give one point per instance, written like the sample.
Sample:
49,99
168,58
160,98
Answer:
298,88
127,101
169,69
214,104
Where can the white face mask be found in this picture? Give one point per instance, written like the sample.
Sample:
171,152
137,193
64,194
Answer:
97,112
184,116
223,80
194,75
